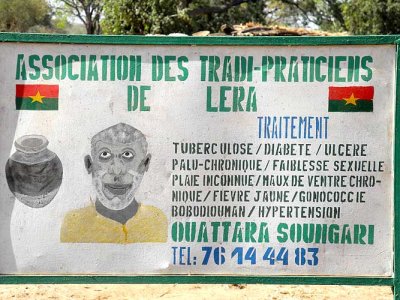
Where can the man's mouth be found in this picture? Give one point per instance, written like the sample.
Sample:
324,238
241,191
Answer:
117,189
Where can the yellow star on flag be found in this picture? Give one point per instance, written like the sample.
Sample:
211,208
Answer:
351,100
37,98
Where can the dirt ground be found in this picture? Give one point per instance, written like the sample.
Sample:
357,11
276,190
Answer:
192,291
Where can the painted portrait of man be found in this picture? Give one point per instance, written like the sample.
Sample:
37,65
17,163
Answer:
117,163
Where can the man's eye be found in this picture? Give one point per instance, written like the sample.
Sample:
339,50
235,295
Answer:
127,155
105,155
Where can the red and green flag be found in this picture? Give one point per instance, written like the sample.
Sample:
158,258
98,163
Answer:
351,98
36,97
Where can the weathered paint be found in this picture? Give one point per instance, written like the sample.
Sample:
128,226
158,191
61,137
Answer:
275,41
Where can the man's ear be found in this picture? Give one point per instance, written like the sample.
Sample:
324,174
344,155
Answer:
88,163
144,165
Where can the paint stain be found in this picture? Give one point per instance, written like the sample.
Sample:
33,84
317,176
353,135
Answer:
125,230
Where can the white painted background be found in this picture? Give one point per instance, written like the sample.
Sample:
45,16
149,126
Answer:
30,238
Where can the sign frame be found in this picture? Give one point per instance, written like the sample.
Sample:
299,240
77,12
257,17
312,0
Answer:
393,281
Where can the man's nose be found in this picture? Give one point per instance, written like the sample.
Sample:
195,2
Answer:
117,167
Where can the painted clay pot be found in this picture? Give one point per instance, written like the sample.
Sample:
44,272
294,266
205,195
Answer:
34,173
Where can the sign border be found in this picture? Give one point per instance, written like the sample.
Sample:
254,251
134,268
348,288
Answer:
393,281
198,41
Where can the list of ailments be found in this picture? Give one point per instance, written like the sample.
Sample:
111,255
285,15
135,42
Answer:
271,180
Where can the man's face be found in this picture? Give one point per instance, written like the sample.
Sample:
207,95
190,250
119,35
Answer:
117,171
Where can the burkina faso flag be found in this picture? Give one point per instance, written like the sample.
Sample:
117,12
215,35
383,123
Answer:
36,97
351,98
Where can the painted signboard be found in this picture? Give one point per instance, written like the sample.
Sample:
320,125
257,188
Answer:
190,159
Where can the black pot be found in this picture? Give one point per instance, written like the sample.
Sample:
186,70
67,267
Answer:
34,173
